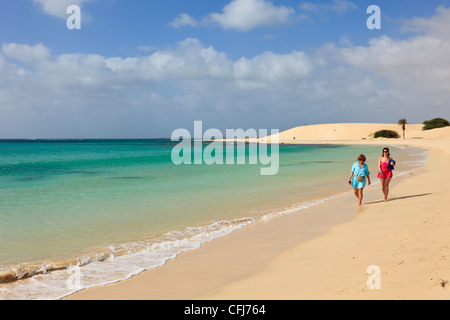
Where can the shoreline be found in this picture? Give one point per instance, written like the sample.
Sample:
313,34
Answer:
222,260
126,263
139,254
245,260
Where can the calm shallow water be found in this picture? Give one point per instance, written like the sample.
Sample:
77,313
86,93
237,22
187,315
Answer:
117,207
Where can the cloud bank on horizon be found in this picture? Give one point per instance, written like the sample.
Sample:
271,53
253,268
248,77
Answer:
91,95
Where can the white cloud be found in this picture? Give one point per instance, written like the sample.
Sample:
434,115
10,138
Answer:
273,68
58,8
183,20
437,26
418,65
92,89
81,95
249,14
26,53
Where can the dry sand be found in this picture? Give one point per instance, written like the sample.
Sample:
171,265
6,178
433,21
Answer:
406,238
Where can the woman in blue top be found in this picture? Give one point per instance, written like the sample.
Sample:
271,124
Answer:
359,176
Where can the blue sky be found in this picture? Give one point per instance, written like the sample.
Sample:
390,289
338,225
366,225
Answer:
141,69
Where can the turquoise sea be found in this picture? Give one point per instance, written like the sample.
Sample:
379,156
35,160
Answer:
98,211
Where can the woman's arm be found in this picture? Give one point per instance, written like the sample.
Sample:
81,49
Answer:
351,176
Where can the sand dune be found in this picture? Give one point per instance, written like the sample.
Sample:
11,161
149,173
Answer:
356,131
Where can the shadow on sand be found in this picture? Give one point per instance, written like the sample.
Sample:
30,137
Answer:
400,198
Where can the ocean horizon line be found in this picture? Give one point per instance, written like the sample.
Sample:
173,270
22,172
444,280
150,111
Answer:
226,139
78,139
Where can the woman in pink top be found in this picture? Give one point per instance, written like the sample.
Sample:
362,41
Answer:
385,173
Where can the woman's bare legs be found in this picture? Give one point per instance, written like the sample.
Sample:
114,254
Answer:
385,186
382,188
359,195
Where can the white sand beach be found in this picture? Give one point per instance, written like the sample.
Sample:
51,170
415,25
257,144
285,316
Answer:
406,239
